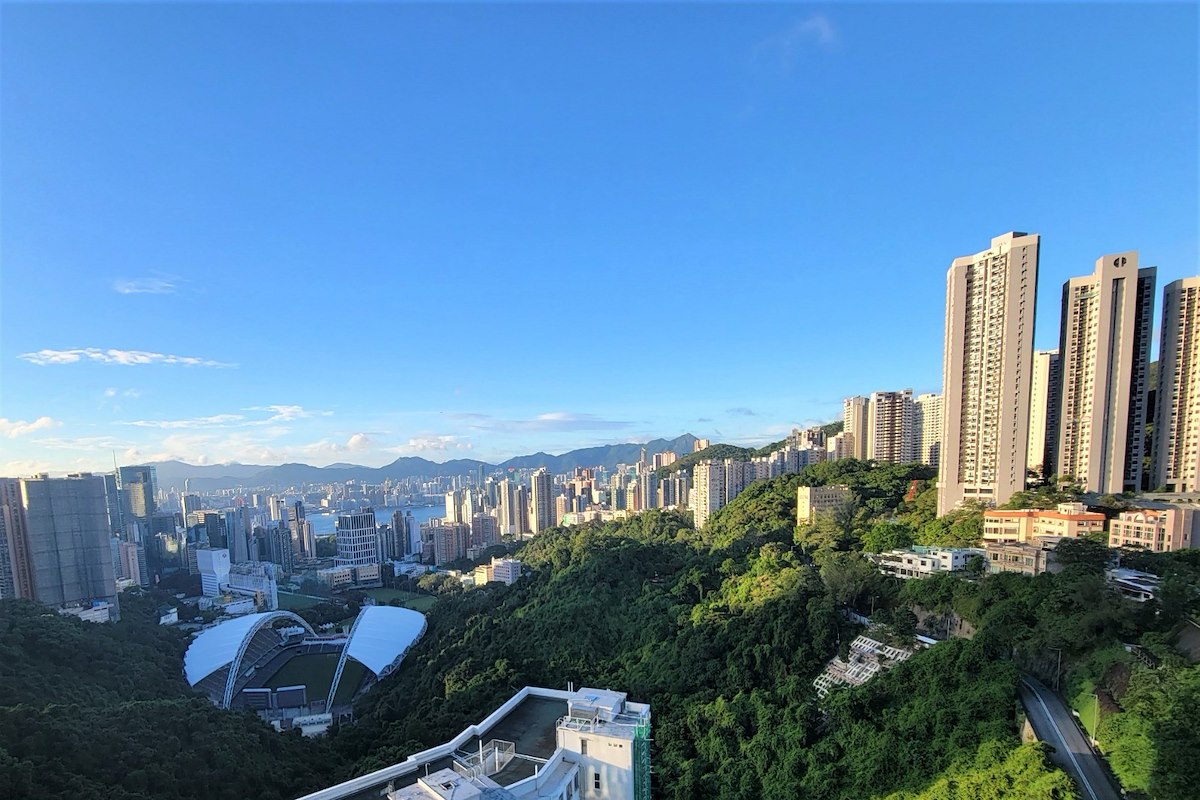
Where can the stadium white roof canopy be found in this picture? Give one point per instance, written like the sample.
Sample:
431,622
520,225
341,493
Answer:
221,644
382,634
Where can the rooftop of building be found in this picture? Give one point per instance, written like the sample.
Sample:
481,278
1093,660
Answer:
529,722
1044,513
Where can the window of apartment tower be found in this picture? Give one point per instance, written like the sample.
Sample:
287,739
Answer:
596,780
583,747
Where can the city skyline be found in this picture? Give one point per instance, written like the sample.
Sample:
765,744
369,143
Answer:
387,265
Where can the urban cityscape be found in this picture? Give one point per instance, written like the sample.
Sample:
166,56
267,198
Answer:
979,581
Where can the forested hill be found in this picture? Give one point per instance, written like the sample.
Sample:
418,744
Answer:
722,630
103,711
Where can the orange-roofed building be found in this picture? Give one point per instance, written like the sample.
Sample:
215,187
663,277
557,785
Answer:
1068,520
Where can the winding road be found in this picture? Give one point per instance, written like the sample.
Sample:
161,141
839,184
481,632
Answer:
1054,724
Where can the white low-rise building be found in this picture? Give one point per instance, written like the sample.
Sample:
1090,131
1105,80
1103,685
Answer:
921,562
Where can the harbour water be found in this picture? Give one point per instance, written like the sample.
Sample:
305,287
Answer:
326,524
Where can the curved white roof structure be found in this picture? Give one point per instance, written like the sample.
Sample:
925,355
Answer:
224,644
383,634
379,639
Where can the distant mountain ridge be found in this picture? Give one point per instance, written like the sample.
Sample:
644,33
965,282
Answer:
227,476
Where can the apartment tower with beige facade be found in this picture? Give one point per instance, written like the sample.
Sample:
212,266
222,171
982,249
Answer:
987,370
1043,412
856,424
1176,457
927,428
1104,352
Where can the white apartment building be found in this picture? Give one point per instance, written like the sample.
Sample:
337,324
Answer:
1104,355
856,424
357,539
814,500
890,428
542,744
256,578
921,562
987,366
1043,412
927,428
1176,456
213,564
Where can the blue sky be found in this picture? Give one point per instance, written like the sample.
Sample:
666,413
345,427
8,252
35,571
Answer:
330,233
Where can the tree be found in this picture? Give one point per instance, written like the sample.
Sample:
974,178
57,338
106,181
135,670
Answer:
1083,555
884,536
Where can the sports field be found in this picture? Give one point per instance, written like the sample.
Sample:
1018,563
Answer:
316,672
417,602
296,602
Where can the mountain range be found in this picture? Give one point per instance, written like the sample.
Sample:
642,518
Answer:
228,476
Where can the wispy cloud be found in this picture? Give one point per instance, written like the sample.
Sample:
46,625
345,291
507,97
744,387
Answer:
287,413
157,284
781,50
552,421
213,421
426,443
111,392
279,414
12,428
741,411
122,357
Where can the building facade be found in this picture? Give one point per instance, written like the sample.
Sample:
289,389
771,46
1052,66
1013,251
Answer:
987,369
814,500
1067,520
856,413
1156,529
1176,456
69,551
1043,412
890,427
927,428
1104,356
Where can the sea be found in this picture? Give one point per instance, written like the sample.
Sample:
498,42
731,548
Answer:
326,524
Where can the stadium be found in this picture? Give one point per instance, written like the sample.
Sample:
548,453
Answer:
274,663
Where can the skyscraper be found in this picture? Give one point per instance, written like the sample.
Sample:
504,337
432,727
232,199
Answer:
140,485
69,550
16,539
1104,356
890,427
1176,451
1043,412
927,428
986,372
541,516
707,495
357,539
856,418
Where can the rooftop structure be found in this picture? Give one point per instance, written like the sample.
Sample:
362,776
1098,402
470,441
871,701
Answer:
541,743
1137,586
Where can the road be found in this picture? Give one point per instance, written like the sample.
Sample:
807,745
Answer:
1054,724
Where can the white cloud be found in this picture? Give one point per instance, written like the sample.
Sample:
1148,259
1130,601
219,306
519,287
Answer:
431,443
123,357
552,421
781,50
284,413
12,428
157,285
214,421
